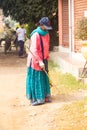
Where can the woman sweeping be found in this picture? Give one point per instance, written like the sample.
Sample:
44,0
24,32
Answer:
37,82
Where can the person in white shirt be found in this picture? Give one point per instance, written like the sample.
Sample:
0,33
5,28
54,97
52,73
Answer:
21,34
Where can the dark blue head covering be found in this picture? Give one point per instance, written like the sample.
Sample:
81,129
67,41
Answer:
46,22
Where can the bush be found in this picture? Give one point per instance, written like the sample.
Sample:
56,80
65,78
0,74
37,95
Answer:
82,29
29,28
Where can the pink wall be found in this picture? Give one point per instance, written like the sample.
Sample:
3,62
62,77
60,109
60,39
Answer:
63,23
79,7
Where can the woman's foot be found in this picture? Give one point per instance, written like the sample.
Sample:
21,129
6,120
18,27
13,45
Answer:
36,103
47,99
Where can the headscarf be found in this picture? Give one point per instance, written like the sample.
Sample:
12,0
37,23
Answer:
39,31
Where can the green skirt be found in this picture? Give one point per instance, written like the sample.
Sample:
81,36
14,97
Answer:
37,85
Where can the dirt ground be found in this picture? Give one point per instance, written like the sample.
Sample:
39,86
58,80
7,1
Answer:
16,113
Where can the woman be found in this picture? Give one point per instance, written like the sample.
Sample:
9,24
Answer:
37,82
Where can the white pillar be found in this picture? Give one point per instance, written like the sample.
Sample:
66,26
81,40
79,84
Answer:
71,25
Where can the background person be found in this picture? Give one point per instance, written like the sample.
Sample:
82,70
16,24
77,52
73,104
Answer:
37,82
8,36
21,35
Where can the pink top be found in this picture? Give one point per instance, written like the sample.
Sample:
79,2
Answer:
36,50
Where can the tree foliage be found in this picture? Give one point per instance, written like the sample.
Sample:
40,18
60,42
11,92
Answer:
29,10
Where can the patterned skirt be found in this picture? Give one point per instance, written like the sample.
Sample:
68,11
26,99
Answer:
37,85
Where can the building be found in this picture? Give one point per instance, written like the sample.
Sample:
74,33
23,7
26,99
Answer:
69,55
70,12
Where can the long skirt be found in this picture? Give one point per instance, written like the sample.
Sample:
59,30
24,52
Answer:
37,85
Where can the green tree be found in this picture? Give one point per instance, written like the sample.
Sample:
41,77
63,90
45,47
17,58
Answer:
31,10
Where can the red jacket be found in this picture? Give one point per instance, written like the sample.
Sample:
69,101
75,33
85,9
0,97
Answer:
36,50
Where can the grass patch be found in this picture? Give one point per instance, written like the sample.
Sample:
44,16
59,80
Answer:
71,116
65,83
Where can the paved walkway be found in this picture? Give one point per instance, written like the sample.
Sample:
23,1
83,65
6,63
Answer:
71,63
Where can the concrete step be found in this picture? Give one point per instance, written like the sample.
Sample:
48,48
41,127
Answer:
70,63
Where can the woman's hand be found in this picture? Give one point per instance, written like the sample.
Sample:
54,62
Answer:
41,64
